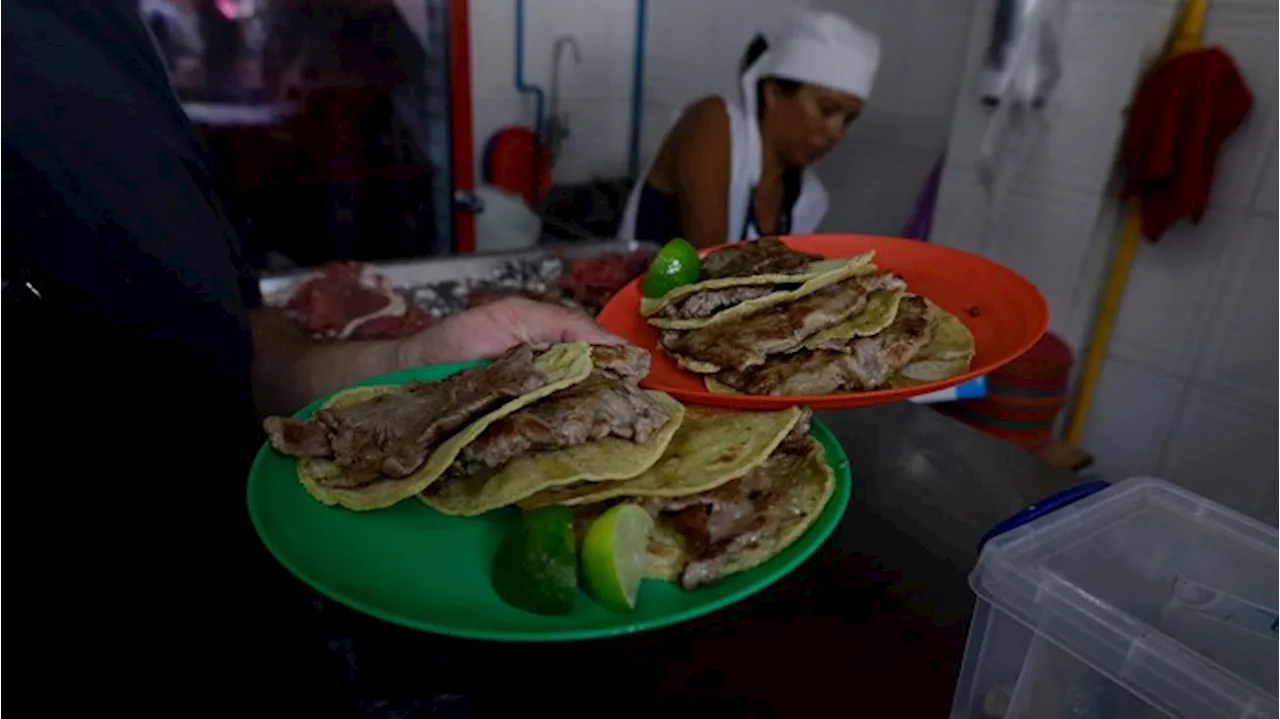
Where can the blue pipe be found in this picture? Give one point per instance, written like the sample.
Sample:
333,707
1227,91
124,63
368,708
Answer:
539,95
637,91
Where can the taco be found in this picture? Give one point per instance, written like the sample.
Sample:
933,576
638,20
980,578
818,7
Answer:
776,328
732,491
949,353
593,433
859,363
721,300
711,447
882,308
370,447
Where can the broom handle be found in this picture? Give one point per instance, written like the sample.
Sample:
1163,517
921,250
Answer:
1186,35
1106,322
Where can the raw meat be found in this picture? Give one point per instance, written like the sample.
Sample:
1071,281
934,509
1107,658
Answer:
345,300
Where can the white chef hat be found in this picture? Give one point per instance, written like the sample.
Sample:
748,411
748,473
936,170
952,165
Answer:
823,48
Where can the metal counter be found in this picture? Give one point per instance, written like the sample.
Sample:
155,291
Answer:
451,268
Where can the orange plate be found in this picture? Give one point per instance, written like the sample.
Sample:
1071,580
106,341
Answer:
1005,312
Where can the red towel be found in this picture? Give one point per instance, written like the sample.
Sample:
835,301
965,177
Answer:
1183,112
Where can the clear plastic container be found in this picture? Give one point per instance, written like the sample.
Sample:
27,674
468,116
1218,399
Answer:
1143,600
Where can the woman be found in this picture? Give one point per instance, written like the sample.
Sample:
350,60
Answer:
727,173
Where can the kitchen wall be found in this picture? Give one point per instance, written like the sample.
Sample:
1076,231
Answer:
596,94
692,49
1188,392
876,173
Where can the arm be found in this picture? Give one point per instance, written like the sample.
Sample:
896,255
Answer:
289,369
703,162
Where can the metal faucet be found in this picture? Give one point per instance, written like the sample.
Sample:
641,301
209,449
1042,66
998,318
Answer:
557,128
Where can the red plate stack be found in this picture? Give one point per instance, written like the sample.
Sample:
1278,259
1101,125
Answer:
1023,398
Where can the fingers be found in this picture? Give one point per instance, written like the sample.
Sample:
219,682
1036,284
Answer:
533,321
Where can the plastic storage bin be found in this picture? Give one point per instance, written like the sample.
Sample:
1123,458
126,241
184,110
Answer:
1143,600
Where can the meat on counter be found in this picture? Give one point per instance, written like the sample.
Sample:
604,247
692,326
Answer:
346,300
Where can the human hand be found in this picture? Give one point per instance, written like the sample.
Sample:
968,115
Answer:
491,329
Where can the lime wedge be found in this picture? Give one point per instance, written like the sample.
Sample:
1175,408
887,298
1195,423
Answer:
536,568
614,556
676,264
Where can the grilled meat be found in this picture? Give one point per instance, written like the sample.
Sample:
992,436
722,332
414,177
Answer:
864,363
709,302
803,373
603,405
762,257
797,440
880,356
747,342
716,525
392,435
626,361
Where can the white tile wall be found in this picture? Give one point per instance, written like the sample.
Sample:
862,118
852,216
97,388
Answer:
493,48
673,77
1075,322
1038,232
1264,202
605,32
1189,388
1138,404
873,184
1237,353
1218,448
693,48
1104,46
934,43
875,175
595,94
1251,40
962,215
1173,283
597,145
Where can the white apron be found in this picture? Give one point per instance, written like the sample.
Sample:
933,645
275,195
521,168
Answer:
744,155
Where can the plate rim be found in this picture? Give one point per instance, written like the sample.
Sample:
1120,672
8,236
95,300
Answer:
845,400
807,544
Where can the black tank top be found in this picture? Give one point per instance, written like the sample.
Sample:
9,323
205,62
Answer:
658,213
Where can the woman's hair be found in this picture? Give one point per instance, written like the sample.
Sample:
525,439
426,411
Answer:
755,49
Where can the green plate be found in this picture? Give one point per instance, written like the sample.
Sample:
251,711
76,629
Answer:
416,567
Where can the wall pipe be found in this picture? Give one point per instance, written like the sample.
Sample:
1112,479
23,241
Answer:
637,91
539,95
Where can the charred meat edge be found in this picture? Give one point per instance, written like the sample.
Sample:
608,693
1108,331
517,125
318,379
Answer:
746,342
864,363
604,405
709,302
765,256
725,520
